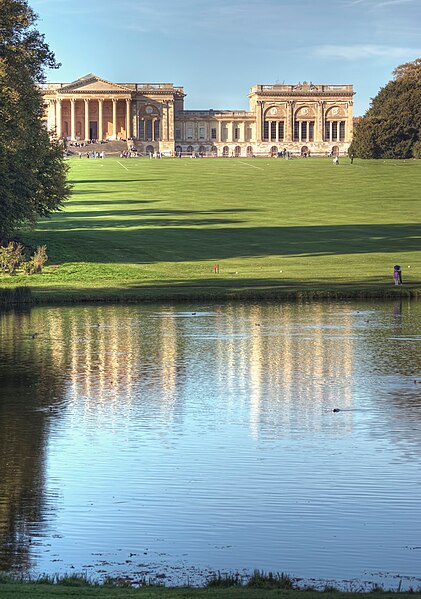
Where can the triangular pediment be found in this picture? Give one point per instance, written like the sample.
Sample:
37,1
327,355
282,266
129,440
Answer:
91,82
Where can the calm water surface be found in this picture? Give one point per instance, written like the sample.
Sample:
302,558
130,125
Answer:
174,441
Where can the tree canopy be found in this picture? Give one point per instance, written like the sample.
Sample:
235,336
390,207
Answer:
391,128
32,168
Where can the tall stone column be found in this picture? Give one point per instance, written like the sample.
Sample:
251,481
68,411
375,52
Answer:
289,121
318,123
349,123
58,118
72,119
87,132
220,131
100,111
128,115
114,118
259,121
153,129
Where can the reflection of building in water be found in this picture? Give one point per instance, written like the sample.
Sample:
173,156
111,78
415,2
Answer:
31,389
112,357
291,361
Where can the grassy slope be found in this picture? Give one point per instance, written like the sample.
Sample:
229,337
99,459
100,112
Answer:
142,226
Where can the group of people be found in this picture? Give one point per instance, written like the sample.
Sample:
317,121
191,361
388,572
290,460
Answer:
93,154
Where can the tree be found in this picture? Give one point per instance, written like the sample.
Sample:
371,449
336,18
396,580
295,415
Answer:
32,168
391,128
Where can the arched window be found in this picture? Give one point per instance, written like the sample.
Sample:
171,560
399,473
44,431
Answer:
274,151
249,152
237,151
214,151
202,150
189,149
335,151
150,150
304,151
225,151
178,150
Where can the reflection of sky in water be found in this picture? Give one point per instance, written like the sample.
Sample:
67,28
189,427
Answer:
205,438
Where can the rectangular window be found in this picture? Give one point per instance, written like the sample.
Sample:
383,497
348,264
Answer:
281,130
265,131
334,130
189,132
178,134
327,131
236,133
311,131
273,130
304,131
296,130
342,131
148,130
201,133
213,133
142,130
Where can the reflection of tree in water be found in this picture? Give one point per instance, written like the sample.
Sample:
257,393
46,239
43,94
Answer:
29,387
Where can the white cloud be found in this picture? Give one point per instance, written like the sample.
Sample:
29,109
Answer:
359,51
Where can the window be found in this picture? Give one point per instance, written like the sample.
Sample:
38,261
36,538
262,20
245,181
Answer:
237,151
334,130
265,131
304,130
296,130
214,151
142,130
281,130
342,131
156,130
189,149
249,151
225,151
213,133
148,130
178,134
201,133
311,131
236,133
327,131
189,132
273,130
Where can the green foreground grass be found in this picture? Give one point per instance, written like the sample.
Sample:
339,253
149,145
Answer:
153,229
41,591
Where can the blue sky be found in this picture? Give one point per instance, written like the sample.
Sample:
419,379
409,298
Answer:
217,49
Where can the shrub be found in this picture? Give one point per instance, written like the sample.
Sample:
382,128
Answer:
261,580
11,257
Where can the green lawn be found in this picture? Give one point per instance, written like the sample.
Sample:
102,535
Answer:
155,228
39,591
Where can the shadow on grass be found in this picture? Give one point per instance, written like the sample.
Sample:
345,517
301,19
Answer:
167,242
226,289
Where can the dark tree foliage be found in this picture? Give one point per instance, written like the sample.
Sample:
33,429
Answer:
391,128
32,169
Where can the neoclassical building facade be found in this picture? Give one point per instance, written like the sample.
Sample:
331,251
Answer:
304,119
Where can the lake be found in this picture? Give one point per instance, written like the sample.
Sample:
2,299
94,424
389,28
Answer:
172,441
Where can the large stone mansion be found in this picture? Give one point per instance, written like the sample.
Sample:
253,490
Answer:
303,118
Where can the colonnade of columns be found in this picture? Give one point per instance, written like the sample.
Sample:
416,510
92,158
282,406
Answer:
57,120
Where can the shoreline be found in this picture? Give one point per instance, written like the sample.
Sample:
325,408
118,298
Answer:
27,296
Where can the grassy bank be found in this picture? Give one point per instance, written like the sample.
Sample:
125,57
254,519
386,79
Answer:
145,229
35,591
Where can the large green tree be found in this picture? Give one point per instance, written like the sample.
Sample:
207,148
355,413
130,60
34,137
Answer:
32,168
391,128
